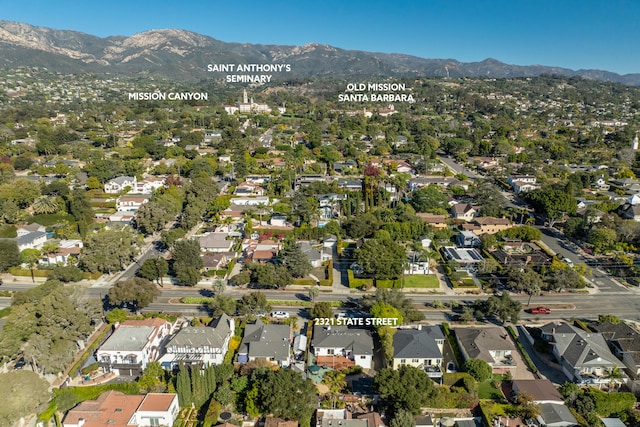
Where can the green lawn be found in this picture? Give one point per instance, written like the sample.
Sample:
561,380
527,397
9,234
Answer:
421,281
486,390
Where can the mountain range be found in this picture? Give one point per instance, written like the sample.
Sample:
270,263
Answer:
185,55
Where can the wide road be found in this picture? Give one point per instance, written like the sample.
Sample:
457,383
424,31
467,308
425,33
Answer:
457,168
624,304
566,249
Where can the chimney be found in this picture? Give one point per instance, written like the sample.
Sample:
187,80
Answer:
80,422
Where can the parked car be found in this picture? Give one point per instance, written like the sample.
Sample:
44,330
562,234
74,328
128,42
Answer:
540,310
279,314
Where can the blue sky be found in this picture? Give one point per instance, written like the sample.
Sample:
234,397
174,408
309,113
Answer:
577,34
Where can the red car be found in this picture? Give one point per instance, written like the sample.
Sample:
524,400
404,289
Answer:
539,310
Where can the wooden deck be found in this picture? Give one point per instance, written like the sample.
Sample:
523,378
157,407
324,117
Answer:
334,362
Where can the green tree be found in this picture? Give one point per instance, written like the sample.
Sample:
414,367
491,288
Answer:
335,381
187,262
254,303
154,269
313,292
9,254
321,309
551,203
66,274
135,293
603,239
108,251
407,388
31,257
402,418
296,262
429,199
183,387
478,369
381,257
117,315
285,394
25,393
222,304
45,205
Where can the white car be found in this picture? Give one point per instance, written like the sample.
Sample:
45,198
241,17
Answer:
279,314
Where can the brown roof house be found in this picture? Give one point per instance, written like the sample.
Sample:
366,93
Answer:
115,409
490,344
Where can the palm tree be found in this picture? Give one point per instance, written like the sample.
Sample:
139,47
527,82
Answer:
45,205
336,383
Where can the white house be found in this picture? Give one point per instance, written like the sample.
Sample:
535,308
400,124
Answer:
133,345
119,184
131,202
342,346
421,348
149,185
199,345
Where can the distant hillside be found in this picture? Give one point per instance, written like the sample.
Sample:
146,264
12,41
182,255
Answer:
184,55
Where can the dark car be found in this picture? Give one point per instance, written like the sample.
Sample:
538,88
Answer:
19,364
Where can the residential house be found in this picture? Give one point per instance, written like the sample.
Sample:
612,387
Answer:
465,257
540,390
490,344
215,242
629,211
120,184
305,180
342,167
340,346
67,249
421,348
113,408
250,201
217,260
132,346
467,239
29,239
270,342
441,181
199,345
523,183
278,221
247,189
131,202
149,184
264,251
490,225
516,253
436,221
315,255
351,184
624,341
337,418
556,415
423,421
582,355
463,212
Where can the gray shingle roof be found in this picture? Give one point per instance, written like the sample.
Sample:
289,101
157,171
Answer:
266,341
478,342
556,414
413,343
359,341
201,336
